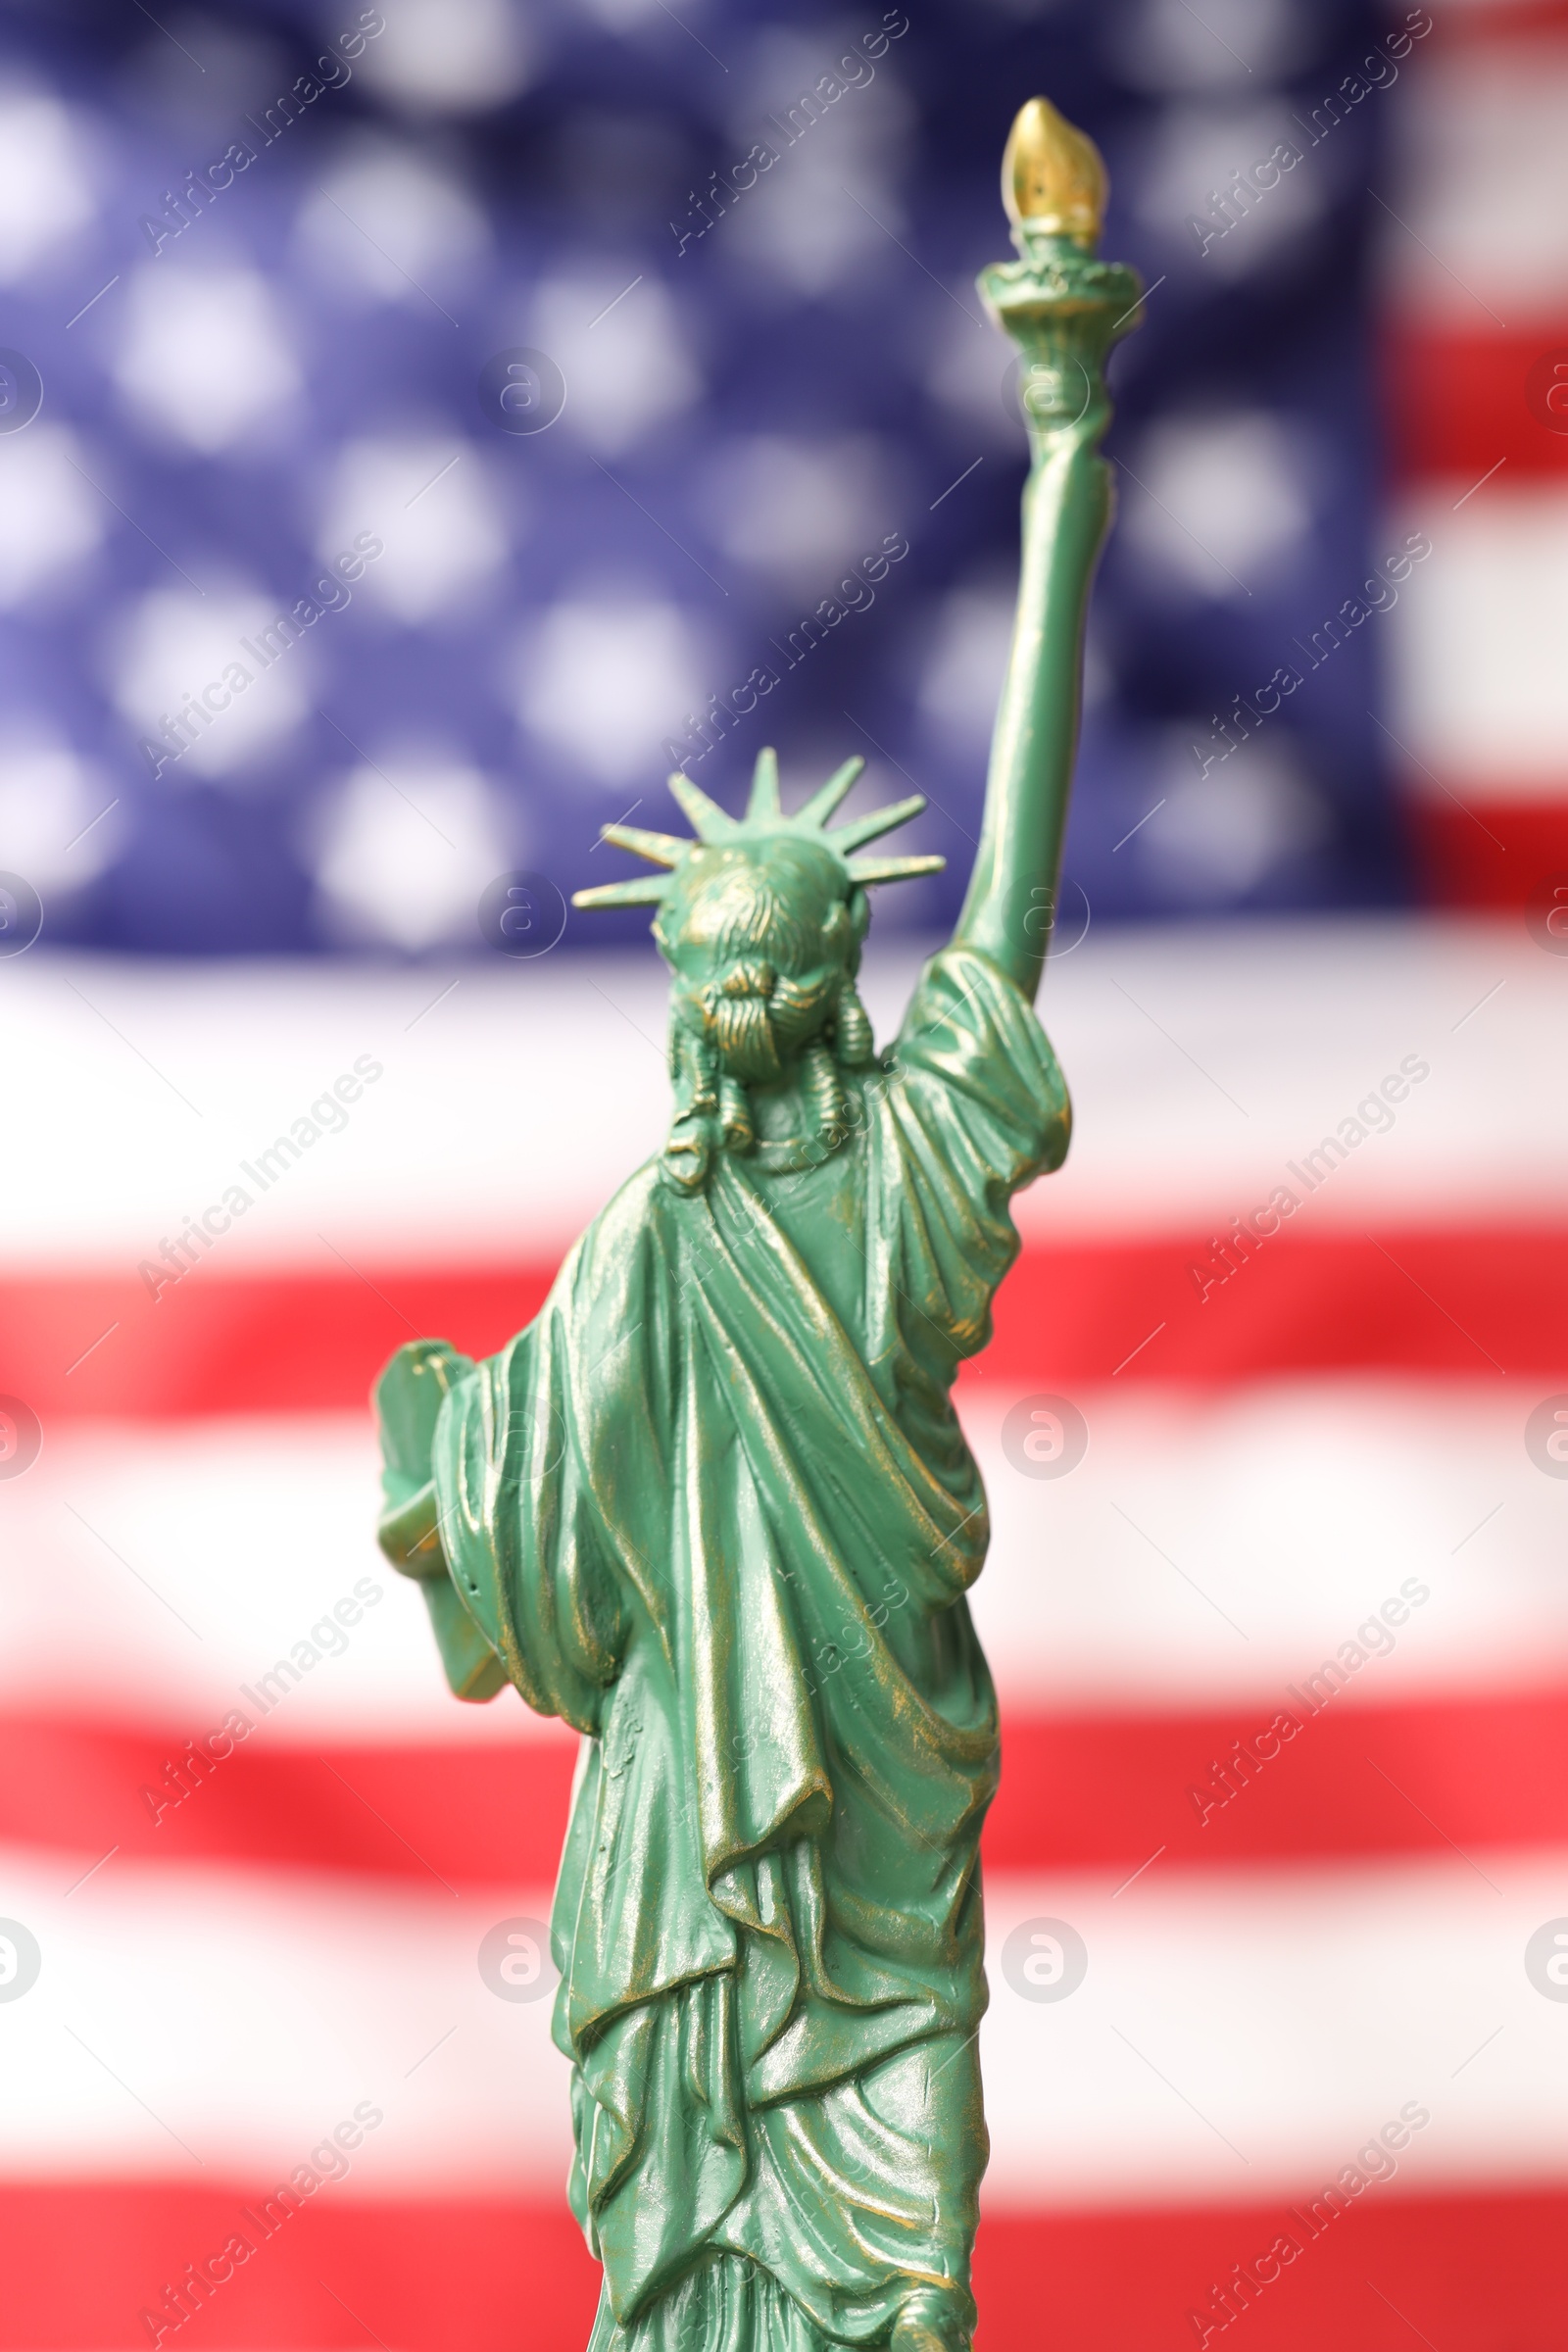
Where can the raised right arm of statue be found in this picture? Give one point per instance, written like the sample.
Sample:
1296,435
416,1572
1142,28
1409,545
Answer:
1064,308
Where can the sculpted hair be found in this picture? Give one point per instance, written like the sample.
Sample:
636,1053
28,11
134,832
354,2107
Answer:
761,918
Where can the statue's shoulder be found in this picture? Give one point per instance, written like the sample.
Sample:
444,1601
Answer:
973,1065
964,999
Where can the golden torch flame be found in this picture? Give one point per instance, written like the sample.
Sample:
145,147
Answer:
1052,179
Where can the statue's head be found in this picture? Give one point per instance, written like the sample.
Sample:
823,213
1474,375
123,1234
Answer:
760,921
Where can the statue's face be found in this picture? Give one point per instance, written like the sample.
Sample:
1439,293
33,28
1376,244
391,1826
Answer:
759,940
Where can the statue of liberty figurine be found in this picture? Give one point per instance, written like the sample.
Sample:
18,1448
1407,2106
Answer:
714,1508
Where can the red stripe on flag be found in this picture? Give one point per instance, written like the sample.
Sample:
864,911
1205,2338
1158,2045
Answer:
1489,24
215,1343
81,2263
1077,1793
1503,853
491,1814
1422,1301
1458,404
82,2260
1105,1790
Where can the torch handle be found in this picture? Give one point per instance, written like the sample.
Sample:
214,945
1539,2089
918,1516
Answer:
1065,309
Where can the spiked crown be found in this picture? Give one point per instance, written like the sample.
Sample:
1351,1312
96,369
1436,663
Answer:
764,822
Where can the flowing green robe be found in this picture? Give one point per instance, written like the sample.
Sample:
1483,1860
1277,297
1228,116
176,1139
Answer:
714,1508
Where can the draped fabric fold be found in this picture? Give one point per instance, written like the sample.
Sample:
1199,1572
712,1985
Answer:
714,1509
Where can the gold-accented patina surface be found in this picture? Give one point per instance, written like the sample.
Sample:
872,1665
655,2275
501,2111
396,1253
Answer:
713,1507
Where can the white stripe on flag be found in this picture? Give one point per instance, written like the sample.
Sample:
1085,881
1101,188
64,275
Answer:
1205,1550
1200,1062
1229,2041
1289,2015
1480,687
1481,185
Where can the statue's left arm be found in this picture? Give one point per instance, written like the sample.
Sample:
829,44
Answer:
504,1497
1064,308
408,1397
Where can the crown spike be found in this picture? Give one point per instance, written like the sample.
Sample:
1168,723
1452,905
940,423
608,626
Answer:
708,820
646,891
822,802
765,802
861,829
893,869
659,849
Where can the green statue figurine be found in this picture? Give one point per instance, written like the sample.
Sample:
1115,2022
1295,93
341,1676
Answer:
714,1508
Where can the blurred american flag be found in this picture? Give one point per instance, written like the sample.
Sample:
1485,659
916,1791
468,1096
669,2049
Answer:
1330,1449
